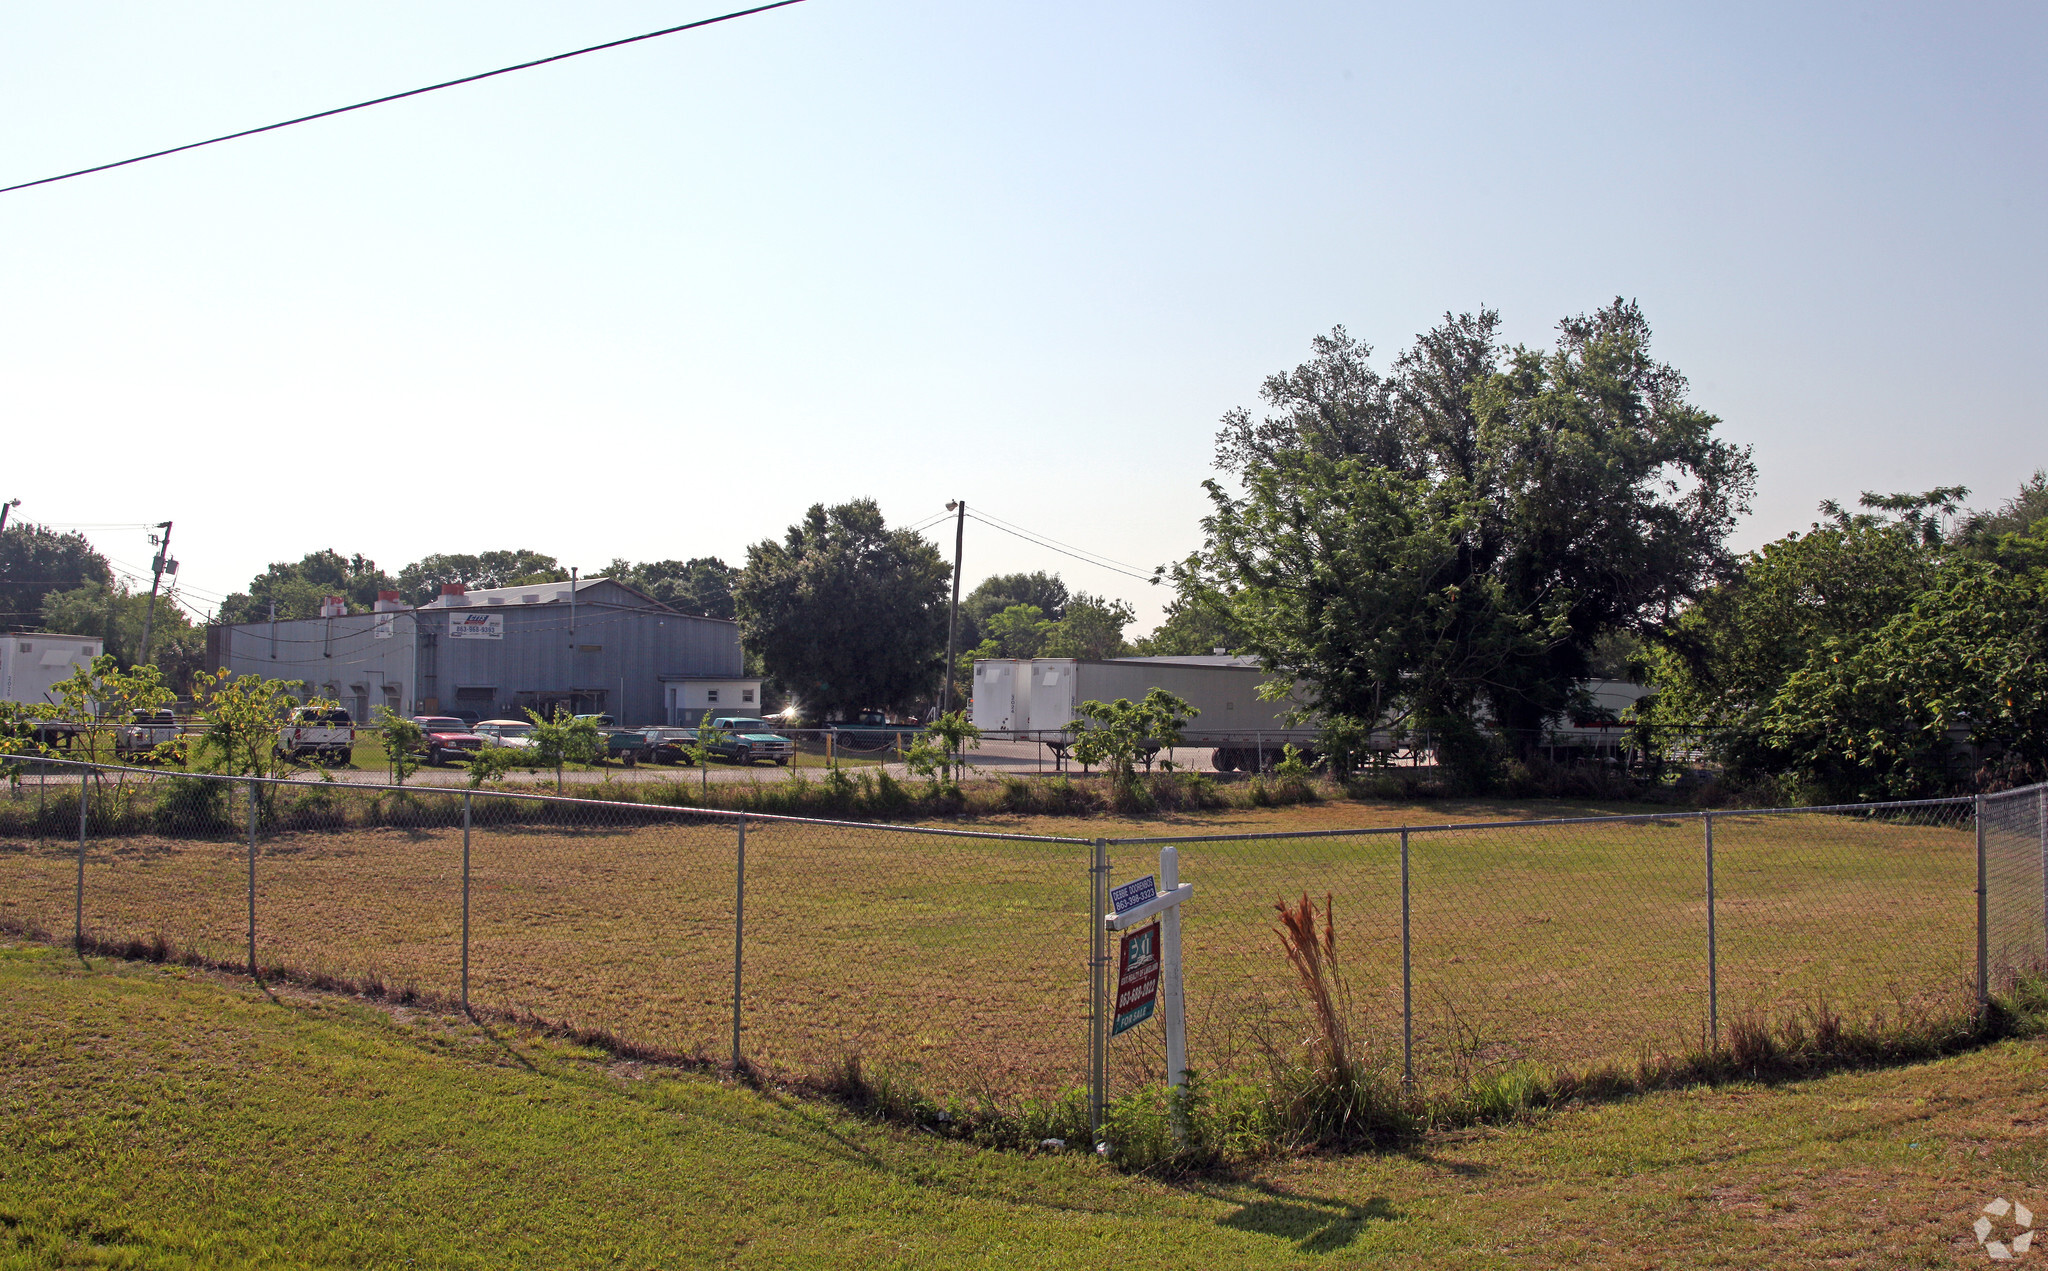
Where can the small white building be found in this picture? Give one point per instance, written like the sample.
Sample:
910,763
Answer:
30,664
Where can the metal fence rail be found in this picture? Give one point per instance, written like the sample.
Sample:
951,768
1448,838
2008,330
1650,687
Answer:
974,965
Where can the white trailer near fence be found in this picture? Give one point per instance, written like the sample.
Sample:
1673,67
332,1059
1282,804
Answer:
32,664
1034,699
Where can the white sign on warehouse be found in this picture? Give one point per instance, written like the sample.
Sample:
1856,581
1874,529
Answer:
476,626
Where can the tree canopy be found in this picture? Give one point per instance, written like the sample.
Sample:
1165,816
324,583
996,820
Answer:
1883,653
36,562
847,613
1450,542
702,585
298,587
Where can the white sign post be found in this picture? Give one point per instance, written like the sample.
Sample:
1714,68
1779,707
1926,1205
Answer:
1165,903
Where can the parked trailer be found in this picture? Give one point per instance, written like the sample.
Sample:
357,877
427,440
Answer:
1034,699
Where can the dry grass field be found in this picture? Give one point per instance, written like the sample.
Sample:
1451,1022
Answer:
961,961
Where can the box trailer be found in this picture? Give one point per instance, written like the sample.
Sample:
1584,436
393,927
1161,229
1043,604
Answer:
1034,699
31,664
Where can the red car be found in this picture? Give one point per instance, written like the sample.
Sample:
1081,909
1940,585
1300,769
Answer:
446,736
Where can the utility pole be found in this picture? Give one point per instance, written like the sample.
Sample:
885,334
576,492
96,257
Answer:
156,577
11,503
953,619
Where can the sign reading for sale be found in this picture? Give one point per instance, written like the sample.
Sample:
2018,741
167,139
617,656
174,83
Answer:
1137,979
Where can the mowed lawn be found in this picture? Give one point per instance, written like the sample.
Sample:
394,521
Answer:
962,961
156,1118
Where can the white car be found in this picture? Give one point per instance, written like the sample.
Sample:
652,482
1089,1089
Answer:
513,733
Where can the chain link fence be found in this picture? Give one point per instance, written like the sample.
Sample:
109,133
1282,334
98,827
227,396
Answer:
973,966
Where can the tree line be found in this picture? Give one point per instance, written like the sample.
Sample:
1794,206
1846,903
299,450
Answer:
1450,544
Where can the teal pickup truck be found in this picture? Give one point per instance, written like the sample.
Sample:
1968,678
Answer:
743,739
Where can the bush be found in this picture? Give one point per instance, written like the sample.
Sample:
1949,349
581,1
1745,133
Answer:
191,805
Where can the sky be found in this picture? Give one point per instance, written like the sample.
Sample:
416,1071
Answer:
657,301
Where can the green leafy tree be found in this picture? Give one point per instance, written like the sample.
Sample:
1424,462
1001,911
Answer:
701,586
244,716
955,735
1093,627
117,616
1017,632
1195,623
992,595
298,587
1448,544
98,700
561,740
1886,713
37,562
1119,735
846,612
404,739
1869,657
421,581
1722,663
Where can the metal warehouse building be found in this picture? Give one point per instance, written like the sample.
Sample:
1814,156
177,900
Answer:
597,647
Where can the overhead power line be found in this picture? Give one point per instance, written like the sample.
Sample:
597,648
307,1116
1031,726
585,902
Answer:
1106,560
411,92
1051,547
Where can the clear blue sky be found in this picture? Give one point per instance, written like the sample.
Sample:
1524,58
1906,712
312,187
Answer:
655,302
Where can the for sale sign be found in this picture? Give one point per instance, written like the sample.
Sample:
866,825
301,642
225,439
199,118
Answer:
1137,979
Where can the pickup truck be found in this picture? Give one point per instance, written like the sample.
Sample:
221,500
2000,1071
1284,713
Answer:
743,739
147,730
446,737
870,731
323,733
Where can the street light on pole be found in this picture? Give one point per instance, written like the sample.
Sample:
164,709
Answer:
953,617
11,503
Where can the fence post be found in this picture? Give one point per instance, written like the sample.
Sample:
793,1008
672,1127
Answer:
467,799
252,878
1983,914
2041,824
78,914
1407,978
1713,946
739,937
1098,964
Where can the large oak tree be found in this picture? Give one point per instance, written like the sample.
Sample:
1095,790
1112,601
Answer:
846,612
1446,544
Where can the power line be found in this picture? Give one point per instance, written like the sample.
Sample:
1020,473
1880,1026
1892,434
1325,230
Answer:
1143,578
412,92
1109,560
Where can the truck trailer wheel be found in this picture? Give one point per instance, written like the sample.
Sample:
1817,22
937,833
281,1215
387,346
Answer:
628,759
345,756
1226,759
782,761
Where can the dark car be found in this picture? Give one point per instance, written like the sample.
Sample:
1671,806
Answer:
446,737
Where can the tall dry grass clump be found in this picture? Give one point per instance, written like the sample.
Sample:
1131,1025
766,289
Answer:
1327,1094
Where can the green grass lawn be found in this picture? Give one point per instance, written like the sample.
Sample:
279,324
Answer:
153,1118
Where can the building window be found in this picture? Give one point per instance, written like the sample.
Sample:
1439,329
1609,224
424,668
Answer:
710,694
746,695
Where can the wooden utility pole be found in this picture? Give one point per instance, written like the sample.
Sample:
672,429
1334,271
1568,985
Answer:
156,577
953,618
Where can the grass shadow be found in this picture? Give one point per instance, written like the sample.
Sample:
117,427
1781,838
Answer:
1313,1224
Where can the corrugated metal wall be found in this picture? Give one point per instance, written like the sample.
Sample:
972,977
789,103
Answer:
614,650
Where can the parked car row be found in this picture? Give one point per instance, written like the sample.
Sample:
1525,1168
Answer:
328,734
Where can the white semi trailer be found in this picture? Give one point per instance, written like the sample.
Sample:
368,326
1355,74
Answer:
32,663
1034,699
